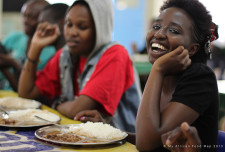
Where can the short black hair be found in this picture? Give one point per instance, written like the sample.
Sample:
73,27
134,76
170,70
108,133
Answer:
58,10
202,23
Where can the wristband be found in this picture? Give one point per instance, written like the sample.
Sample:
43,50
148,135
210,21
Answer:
33,61
58,101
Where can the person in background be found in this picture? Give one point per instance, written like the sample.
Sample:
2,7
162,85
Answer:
55,14
180,87
17,44
90,72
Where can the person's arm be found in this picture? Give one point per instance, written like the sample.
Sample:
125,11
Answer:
44,35
7,62
13,81
184,138
151,121
81,103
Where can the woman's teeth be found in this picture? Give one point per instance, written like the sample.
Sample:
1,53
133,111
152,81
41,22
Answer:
158,48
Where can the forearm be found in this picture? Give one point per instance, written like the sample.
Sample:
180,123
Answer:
27,87
9,62
71,108
17,69
148,117
13,80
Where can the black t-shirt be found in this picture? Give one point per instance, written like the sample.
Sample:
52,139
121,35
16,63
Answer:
197,88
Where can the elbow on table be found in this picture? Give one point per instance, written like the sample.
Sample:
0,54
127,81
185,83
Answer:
148,141
145,146
21,94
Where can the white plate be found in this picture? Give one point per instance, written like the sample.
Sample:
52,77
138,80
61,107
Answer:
63,130
26,118
17,103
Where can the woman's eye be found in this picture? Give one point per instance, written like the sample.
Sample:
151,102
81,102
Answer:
83,27
68,24
175,31
156,27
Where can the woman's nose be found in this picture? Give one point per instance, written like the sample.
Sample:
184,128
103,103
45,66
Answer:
160,34
74,32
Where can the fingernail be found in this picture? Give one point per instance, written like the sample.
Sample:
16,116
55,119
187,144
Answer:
82,118
168,142
75,118
186,126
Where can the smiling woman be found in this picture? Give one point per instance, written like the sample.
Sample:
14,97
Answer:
178,47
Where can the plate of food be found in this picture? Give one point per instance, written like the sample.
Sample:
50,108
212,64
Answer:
28,118
18,103
84,134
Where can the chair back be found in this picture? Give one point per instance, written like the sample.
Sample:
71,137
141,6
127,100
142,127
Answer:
221,141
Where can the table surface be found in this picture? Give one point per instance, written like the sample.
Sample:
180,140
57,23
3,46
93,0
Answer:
23,139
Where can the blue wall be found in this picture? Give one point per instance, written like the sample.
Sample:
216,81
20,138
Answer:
129,24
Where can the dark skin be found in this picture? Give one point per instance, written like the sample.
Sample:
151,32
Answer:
182,139
79,33
46,16
30,12
90,115
169,46
6,61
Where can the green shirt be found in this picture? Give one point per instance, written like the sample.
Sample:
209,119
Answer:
16,43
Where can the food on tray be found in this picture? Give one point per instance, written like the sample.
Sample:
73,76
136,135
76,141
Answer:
16,103
27,117
63,137
98,130
7,121
81,134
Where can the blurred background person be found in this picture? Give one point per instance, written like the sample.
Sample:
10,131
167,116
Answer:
55,14
89,72
17,44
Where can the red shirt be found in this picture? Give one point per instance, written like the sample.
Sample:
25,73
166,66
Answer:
112,76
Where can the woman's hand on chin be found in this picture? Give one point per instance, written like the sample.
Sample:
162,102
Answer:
173,62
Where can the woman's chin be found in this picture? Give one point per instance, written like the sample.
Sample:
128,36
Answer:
152,60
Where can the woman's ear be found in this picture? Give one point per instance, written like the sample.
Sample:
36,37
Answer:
194,49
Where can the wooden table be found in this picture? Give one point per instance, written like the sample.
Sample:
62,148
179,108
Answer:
23,139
